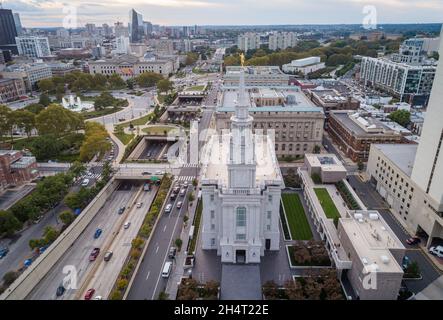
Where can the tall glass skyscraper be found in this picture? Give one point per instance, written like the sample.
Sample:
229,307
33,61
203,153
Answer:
8,31
136,27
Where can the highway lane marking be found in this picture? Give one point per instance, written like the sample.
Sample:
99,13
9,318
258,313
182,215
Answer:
156,250
166,254
147,277
164,229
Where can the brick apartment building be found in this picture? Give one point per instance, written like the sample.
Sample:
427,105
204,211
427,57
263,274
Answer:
354,133
16,169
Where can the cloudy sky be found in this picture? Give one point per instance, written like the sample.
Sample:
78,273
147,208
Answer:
50,13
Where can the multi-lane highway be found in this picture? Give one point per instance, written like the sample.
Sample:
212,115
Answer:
105,273
77,256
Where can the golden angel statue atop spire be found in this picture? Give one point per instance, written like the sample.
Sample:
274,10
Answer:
242,59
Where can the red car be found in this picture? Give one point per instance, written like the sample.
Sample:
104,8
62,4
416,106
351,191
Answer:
413,240
89,294
94,254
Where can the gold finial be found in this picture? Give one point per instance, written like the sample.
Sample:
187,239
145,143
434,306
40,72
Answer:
242,59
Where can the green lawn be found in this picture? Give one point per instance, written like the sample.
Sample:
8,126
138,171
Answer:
100,113
196,88
136,122
124,137
326,202
297,220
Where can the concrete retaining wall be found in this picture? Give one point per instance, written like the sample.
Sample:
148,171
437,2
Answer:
21,288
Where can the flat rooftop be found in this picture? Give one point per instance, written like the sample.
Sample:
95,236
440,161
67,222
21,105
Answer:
327,162
373,239
216,157
402,155
302,103
361,125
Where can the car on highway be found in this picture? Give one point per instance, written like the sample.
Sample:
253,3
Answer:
149,154
108,256
139,204
438,251
179,204
127,225
413,241
185,184
159,172
89,294
173,196
176,190
146,173
172,252
3,252
182,192
98,233
60,290
168,208
121,210
85,183
94,254
147,186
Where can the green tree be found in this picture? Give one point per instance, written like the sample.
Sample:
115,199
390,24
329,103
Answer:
178,243
25,120
46,85
402,117
191,58
50,234
9,224
77,168
95,141
164,85
9,277
116,82
104,100
317,149
5,116
35,108
46,147
58,121
148,79
67,217
44,100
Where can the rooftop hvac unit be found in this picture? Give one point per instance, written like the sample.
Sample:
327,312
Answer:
373,216
358,216
385,259
365,261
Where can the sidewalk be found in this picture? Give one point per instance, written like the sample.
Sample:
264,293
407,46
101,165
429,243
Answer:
179,272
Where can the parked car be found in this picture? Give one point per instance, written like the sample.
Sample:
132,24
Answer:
98,233
121,210
94,254
179,204
60,290
172,252
89,294
85,183
108,256
127,225
167,269
413,240
3,252
168,208
183,192
438,251
98,298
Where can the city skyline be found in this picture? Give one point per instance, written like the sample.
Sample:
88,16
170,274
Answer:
228,12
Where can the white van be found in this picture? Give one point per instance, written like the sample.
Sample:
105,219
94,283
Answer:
167,269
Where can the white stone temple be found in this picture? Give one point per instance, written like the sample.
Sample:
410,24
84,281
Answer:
241,190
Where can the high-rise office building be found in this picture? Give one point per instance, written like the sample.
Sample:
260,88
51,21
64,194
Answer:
8,31
33,47
136,27
18,24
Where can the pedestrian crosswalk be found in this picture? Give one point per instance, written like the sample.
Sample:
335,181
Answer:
185,178
190,165
95,176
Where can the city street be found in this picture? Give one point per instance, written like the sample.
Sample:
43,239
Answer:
148,282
